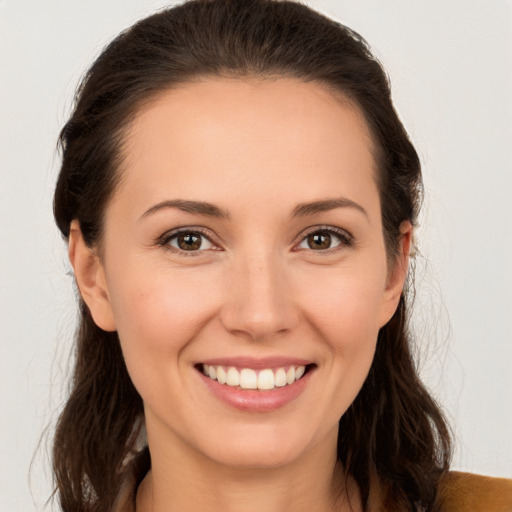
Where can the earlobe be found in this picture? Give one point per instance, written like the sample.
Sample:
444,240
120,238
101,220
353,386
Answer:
90,278
397,274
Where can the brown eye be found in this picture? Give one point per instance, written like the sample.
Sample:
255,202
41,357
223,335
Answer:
189,241
319,240
323,240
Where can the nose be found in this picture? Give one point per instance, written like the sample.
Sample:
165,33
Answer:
259,304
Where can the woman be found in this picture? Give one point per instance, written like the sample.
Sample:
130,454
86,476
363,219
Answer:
239,198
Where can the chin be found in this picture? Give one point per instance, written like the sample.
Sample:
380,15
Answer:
263,449
256,457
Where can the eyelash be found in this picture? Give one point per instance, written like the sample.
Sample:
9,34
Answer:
346,239
165,240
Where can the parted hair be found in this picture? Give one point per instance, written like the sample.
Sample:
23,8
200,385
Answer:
394,435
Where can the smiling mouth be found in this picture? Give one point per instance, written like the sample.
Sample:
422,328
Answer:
264,379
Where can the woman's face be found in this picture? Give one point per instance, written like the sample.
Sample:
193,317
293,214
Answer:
245,235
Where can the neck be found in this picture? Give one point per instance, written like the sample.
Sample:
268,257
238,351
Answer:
315,482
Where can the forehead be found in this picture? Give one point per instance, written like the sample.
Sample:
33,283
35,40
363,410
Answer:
256,107
246,135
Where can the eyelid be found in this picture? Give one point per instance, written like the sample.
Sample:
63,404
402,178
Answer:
346,238
164,240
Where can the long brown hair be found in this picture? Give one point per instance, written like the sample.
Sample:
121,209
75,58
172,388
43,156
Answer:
393,436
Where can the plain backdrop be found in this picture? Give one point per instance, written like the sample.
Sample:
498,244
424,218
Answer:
450,68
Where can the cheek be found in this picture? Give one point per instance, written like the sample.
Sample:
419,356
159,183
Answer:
157,314
160,302
345,319
343,305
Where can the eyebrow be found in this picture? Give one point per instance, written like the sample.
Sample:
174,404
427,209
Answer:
197,207
305,209
210,210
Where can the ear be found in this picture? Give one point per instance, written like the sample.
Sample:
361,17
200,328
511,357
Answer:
397,274
90,278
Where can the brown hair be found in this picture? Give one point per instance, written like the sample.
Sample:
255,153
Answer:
393,435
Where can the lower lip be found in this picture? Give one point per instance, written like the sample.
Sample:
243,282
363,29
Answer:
254,400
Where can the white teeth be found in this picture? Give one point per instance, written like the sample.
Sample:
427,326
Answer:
248,378
233,377
280,378
266,379
221,375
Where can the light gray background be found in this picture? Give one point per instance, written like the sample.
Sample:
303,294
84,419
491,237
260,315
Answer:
450,67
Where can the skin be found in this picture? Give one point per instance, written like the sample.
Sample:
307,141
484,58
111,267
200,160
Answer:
256,149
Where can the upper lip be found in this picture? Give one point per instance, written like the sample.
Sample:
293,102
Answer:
257,363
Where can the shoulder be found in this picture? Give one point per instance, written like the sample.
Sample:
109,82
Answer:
467,492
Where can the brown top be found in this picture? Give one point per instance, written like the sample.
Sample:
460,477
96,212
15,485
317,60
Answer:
459,492
466,492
